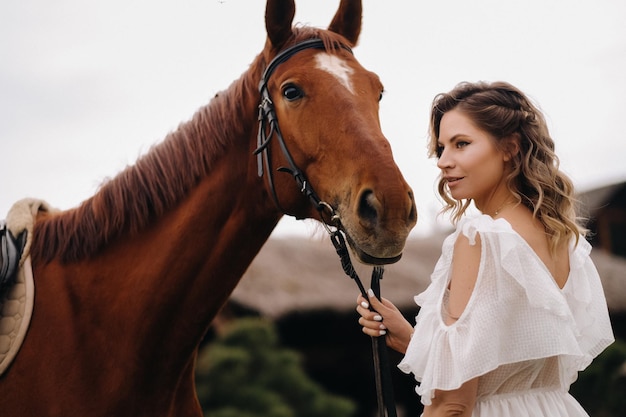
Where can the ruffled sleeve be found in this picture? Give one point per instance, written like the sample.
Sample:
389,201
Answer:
516,313
587,304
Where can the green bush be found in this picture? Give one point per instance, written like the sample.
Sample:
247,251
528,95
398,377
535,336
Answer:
601,388
245,373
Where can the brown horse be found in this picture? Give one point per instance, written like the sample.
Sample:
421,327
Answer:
128,282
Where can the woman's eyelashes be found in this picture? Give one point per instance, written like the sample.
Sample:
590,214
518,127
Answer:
459,144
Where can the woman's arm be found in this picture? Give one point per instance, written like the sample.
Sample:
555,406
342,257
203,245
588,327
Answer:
456,403
387,319
465,265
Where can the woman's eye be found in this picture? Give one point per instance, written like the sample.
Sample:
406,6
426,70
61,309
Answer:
461,144
291,93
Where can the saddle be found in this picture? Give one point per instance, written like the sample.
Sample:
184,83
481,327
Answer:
11,249
17,286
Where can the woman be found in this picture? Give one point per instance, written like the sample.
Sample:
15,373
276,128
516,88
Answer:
515,307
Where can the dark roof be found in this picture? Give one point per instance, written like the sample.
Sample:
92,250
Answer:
306,274
600,197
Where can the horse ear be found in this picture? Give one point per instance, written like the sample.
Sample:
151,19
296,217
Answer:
347,20
278,19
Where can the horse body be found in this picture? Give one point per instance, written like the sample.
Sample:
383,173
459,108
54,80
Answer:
128,282
111,333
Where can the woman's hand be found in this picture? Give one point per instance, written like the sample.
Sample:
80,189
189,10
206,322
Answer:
386,319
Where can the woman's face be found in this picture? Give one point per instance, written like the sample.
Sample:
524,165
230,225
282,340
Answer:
470,163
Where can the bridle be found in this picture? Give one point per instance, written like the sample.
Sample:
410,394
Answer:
267,119
269,128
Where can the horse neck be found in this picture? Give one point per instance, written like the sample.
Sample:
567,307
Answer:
168,280
199,250
203,249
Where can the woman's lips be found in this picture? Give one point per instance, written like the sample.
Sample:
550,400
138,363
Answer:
452,181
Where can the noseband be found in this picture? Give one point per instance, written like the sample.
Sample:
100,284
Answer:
268,128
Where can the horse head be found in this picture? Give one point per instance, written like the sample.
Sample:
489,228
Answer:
313,76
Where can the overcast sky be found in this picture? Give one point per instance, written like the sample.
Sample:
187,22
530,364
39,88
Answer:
88,86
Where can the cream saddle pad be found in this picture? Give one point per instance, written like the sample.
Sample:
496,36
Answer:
16,305
16,308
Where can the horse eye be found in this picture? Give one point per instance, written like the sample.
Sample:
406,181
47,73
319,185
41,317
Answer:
291,92
382,93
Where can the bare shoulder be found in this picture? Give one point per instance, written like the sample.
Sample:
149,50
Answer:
465,262
463,276
464,251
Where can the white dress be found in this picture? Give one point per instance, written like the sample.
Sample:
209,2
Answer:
520,333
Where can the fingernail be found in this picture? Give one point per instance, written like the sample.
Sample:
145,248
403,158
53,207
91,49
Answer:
382,327
370,292
378,318
364,304
382,332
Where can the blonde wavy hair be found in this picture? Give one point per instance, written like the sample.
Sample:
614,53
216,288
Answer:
535,180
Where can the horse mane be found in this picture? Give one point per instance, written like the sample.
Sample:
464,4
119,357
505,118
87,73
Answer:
158,180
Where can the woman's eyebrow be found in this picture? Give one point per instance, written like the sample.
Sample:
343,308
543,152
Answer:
453,139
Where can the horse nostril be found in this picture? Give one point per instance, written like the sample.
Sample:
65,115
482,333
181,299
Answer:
368,206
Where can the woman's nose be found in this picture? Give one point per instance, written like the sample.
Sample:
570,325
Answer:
444,161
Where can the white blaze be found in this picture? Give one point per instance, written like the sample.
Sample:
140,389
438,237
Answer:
337,67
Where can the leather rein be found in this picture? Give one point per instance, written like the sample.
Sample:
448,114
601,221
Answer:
269,128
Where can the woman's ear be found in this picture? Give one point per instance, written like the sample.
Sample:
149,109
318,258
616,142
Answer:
511,146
